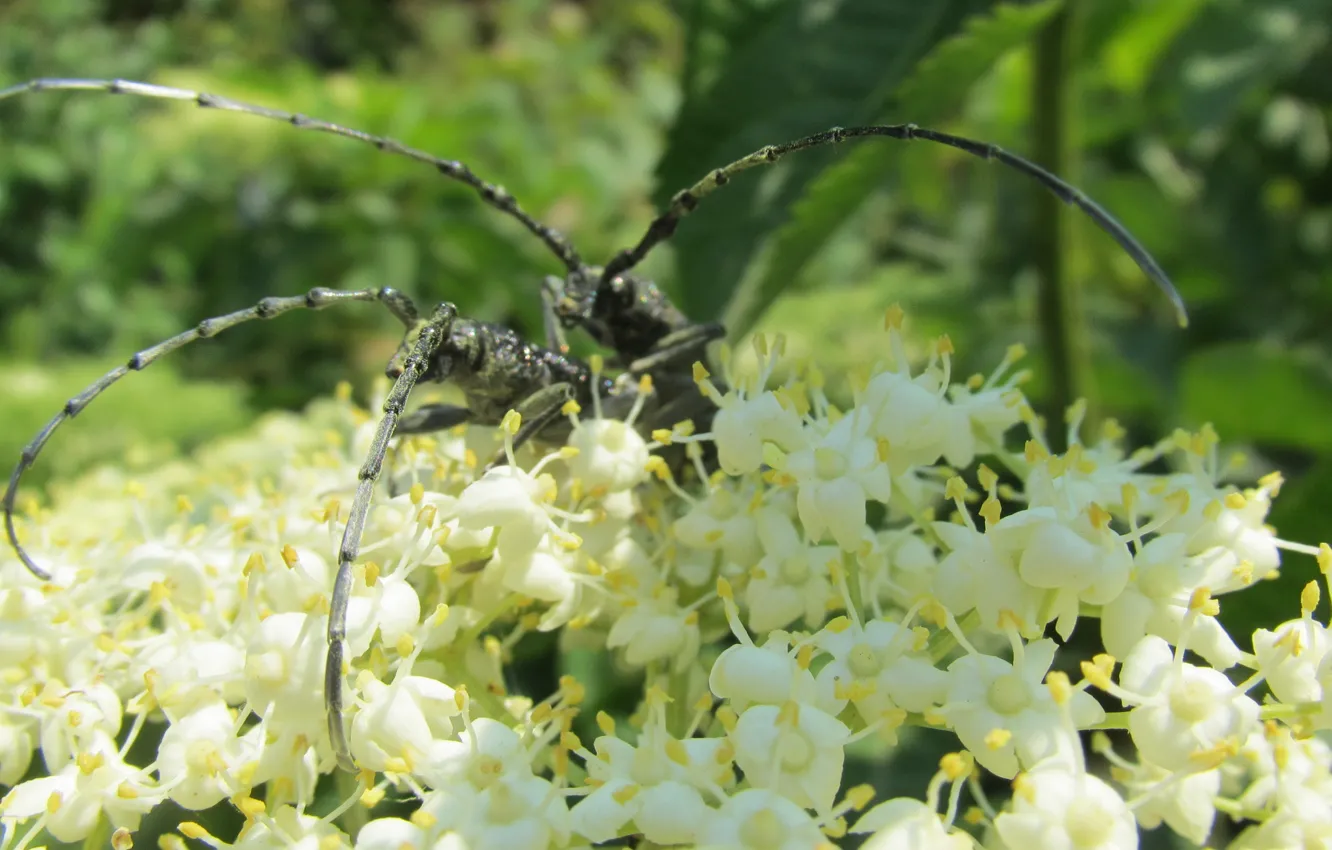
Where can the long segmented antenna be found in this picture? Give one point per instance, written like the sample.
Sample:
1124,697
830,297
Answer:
684,202
454,170
432,334
316,299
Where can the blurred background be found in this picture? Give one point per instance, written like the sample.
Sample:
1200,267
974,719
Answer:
1203,126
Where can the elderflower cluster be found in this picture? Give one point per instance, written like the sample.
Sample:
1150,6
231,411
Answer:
832,583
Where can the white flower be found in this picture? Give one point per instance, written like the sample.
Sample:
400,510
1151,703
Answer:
288,828
511,813
179,563
390,834
915,419
1004,714
1290,657
289,757
978,574
899,568
1080,559
1088,475
199,755
189,671
656,628
723,520
390,607
77,718
1233,522
18,741
655,784
72,800
1303,821
989,410
748,415
771,674
795,750
26,621
296,587
664,808
834,476
875,667
513,501
486,750
758,819
611,455
1056,807
545,572
1187,804
396,724
741,427
906,824
1156,601
284,668
1182,711
791,582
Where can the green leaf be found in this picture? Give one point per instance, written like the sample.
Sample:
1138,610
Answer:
1236,52
806,67
138,424
937,88
1256,393
714,29
1135,50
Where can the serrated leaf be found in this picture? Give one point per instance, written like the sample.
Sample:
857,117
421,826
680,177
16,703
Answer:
812,66
946,75
937,87
1255,393
714,29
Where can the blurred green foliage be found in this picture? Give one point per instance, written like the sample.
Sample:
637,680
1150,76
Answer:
1202,124
123,220
120,426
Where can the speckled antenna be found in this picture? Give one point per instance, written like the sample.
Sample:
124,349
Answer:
492,195
684,202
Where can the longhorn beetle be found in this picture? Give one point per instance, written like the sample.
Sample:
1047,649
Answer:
495,369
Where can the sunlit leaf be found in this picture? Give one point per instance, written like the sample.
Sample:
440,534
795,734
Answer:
1260,394
935,89
812,66
1133,51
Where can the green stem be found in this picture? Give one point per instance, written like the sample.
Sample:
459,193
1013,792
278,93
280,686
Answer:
680,711
358,815
100,836
1113,720
1061,316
